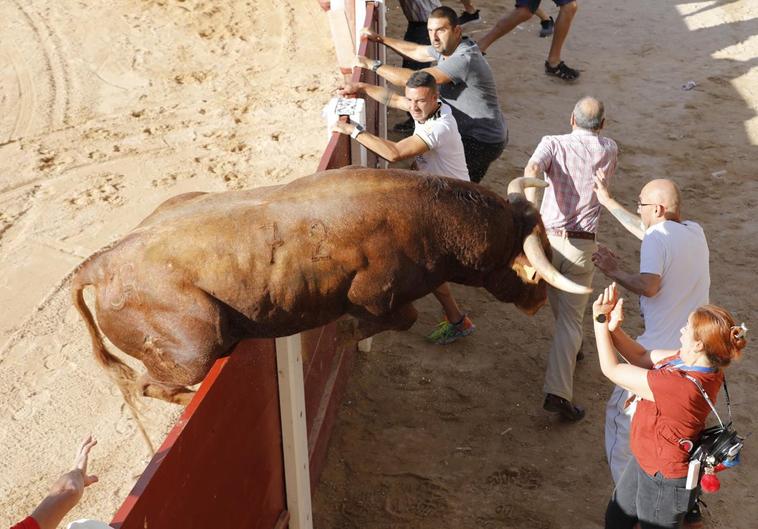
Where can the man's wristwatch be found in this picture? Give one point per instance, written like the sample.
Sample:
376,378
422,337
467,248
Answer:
600,318
376,64
357,129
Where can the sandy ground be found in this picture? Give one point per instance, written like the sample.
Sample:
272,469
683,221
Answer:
106,112
109,111
455,437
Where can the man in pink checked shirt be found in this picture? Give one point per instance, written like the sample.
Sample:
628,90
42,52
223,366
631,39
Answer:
570,211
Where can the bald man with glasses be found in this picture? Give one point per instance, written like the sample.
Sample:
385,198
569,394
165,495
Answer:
673,280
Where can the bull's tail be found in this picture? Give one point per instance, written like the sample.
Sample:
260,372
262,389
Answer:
123,375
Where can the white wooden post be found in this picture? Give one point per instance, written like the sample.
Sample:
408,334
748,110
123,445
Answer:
289,361
381,14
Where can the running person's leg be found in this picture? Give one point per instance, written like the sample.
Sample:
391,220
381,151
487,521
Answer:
523,12
554,65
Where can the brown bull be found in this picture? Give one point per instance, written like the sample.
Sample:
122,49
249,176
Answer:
206,270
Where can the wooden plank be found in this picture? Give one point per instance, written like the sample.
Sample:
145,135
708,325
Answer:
323,422
342,39
294,431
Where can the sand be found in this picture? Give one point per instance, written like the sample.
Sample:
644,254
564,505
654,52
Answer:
108,111
455,437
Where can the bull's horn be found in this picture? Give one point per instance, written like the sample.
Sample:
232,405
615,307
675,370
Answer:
536,255
517,185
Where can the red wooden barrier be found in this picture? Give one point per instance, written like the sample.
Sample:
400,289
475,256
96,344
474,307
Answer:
221,465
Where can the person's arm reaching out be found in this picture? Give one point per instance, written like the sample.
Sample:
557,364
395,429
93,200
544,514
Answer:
417,52
67,490
628,220
389,150
630,377
641,284
382,95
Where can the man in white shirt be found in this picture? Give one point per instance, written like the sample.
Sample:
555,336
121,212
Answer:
437,148
674,279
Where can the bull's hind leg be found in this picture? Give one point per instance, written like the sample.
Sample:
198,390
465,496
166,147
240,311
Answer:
176,332
150,387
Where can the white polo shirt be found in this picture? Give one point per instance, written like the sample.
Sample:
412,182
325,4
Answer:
445,156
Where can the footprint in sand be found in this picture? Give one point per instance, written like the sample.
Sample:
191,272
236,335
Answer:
105,189
34,402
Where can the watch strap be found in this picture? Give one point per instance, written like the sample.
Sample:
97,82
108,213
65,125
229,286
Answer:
357,129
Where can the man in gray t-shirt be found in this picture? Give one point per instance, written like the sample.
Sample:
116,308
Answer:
467,85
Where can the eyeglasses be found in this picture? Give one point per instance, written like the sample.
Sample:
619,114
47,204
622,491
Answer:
640,204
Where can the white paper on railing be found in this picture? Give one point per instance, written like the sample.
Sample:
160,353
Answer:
88,524
355,108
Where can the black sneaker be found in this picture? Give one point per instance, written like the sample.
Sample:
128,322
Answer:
547,27
405,126
466,17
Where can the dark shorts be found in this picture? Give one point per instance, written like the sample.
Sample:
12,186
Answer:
480,155
534,4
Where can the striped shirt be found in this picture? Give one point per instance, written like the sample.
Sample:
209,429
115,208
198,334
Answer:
569,162
418,10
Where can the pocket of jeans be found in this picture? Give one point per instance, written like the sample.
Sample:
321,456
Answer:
683,498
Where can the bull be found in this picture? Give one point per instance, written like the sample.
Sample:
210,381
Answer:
206,270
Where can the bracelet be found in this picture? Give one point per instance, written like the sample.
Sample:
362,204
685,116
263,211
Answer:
358,128
375,66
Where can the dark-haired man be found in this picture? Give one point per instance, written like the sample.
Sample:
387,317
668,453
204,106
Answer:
466,84
437,148
571,211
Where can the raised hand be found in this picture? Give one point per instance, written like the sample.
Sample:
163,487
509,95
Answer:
349,88
600,186
373,36
606,301
604,259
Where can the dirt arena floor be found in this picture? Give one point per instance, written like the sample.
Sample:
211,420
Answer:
108,111
455,436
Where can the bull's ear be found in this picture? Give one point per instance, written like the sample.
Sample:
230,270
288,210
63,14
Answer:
524,270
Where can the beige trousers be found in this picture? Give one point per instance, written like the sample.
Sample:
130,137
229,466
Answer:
573,259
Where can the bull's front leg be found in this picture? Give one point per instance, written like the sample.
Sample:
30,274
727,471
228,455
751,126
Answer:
365,324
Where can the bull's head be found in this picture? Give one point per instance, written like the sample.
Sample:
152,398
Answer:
522,284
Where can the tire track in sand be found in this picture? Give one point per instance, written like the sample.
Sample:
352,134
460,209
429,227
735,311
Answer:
56,72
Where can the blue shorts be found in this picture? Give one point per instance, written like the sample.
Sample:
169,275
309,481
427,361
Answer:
534,4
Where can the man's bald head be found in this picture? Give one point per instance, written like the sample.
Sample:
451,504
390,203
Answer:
589,113
663,192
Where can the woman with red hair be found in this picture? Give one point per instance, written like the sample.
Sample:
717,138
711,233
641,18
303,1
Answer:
671,410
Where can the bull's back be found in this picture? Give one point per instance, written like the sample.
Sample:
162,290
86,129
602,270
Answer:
288,253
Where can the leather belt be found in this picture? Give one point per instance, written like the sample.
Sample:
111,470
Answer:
569,234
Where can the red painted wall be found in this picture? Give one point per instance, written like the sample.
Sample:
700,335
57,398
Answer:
222,464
